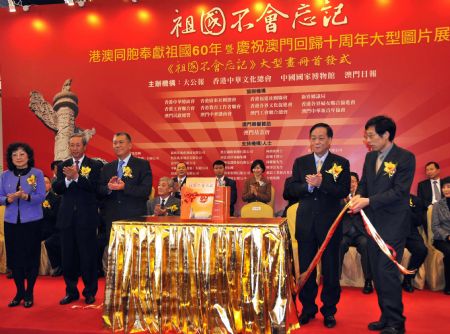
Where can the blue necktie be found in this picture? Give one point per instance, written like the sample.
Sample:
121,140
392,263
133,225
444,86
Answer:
120,169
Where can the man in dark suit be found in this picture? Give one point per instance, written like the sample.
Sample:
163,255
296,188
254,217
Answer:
429,191
165,204
222,180
76,182
355,235
50,234
125,184
384,194
180,179
320,181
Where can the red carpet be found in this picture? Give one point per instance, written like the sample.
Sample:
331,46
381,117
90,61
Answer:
426,312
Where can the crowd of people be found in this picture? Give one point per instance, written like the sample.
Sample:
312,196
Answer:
73,214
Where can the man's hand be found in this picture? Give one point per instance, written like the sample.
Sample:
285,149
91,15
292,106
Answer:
358,203
314,180
70,172
160,212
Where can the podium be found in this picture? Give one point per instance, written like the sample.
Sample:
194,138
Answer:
166,275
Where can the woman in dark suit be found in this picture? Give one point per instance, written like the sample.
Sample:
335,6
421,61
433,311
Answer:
440,224
257,187
22,191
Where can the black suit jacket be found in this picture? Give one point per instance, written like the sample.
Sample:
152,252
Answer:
425,193
50,207
233,196
389,209
317,210
79,197
132,200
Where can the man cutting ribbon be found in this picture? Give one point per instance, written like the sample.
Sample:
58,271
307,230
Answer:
383,192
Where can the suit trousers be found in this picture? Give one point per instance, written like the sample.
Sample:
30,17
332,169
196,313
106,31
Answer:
416,246
53,246
331,290
444,247
359,241
79,256
388,284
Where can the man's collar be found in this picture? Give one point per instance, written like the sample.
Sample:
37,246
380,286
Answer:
386,150
79,160
126,159
323,157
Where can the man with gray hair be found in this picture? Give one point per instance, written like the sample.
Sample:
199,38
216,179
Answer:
76,182
165,204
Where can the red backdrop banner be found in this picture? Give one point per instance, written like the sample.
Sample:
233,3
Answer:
197,81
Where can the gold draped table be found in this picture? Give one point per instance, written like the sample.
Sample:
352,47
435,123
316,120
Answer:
171,276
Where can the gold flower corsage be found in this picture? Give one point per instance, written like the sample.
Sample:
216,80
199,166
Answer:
411,204
85,171
46,204
32,181
389,168
173,208
127,172
335,171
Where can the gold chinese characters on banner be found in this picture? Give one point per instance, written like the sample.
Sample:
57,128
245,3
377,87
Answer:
168,276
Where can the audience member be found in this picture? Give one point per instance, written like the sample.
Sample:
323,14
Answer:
441,229
354,234
429,191
22,191
50,234
222,180
54,168
180,178
77,220
165,204
414,242
257,187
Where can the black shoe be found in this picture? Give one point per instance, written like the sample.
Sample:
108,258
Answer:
89,300
304,318
57,272
376,326
68,299
28,303
407,284
15,302
329,321
368,287
446,292
393,330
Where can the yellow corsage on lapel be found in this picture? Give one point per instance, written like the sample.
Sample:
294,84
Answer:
335,171
411,204
46,204
389,168
173,208
127,172
31,180
85,171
